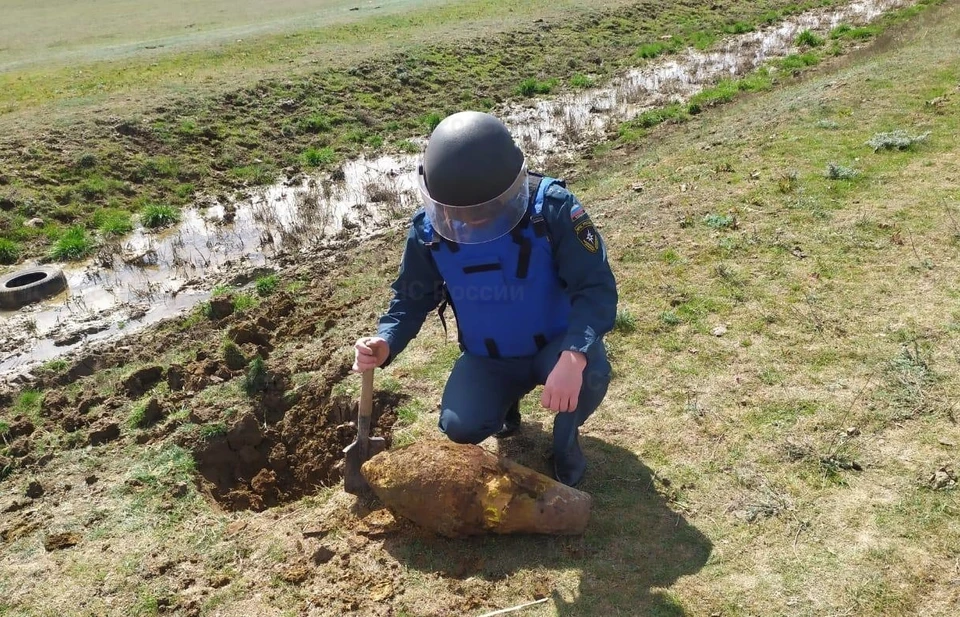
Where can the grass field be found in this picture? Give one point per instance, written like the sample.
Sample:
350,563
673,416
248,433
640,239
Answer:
780,436
51,32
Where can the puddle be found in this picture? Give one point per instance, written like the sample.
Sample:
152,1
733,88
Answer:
151,276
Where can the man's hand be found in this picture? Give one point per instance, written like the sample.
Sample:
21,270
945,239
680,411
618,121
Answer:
562,390
369,353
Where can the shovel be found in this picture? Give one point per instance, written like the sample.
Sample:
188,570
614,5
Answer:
365,446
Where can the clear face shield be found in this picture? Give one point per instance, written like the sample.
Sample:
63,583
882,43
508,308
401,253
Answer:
481,222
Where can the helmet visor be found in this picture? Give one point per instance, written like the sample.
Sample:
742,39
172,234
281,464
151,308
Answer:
481,222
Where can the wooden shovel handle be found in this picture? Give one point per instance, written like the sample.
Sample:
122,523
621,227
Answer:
366,406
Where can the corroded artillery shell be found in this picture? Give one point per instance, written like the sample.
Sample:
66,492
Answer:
462,490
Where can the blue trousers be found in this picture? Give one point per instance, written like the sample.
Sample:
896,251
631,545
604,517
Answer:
481,390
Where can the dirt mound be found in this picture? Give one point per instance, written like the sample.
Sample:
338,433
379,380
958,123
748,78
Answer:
276,455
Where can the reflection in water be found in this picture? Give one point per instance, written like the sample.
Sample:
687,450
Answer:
149,276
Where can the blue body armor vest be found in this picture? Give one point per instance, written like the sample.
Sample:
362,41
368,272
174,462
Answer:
506,294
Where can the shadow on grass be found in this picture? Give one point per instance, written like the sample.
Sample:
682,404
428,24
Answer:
635,545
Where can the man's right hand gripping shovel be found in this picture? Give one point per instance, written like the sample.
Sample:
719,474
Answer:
370,353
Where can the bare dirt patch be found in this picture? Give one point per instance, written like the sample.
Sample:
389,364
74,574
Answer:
275,456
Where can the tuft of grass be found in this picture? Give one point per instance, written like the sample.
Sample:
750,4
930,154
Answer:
845,31
720,221
432,120
533,86
154,216
113,222
808,39
266,285
137,417
314,157
317,123
670,318
408,146
256,378
243,302
649,51
625,321
9,251
211,431
55,366
795,62
896,140
835,171
28,403
581,81
232,356
73,245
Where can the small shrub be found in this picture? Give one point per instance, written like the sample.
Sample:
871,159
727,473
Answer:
897,140
154,216
9,251
809,39
581,81
314,157
835,171
256,378
720,221
74,244
830,125
625,321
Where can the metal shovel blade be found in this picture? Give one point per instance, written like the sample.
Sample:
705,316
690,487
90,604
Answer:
364,447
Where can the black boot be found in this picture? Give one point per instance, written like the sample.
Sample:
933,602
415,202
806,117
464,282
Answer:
511,423
569,466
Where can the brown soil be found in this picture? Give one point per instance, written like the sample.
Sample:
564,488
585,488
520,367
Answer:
279,455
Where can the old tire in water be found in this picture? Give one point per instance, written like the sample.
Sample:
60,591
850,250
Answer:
27,286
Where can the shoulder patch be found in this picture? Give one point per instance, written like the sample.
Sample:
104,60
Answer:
577,212
587,234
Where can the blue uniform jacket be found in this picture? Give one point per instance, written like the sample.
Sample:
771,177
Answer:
579,255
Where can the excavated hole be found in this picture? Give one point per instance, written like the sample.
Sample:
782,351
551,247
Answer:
275,455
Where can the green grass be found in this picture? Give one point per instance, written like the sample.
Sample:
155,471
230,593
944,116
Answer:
28,403
72,245
266,285
113,222
256,377
315,157
243,302
9,251
809,39
155,216
534,87
581,81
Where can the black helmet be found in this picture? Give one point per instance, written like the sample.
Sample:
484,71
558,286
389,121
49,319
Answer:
473,179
